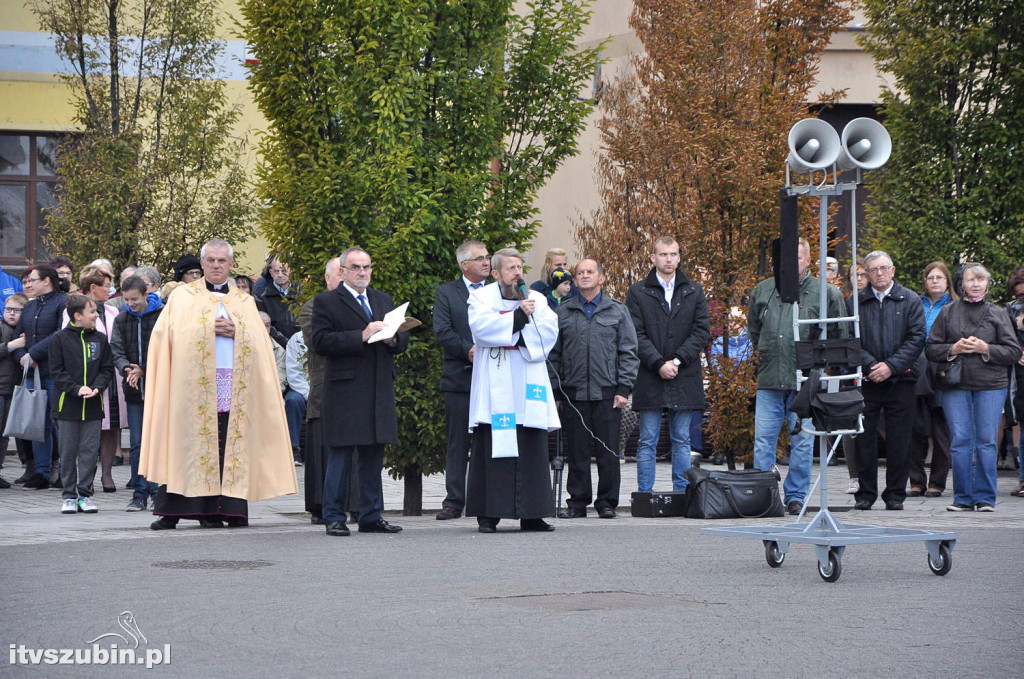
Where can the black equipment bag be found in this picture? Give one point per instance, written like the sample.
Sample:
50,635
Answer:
836,411
825,353
740,494
658,504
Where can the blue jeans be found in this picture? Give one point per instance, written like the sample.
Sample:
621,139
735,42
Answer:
143,488
973,418
295,413
42,451
646,450
771,410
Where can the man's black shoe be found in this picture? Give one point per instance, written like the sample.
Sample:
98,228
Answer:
337,529
4,483
316,520
381,526
211,523
535,525
863,505
606,513
894,505
487,528
447,513
29,473
37,482
794,507
164,523
573,513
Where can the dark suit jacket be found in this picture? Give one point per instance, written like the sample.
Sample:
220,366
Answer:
451,327
359,379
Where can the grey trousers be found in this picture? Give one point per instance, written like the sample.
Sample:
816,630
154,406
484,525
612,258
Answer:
79,450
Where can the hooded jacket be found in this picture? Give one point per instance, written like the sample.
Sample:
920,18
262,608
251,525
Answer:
130,343
79,358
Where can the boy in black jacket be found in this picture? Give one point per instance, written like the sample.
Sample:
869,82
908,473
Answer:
81,366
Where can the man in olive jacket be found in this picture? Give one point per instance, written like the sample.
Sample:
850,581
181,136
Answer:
770,324
672,325
593,366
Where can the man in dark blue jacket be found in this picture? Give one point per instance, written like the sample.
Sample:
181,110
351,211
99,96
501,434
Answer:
672,329
451,328
40,319
892,337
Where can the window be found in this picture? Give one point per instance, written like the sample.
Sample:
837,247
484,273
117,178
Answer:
28,168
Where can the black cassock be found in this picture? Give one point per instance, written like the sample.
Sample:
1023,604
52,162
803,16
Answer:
510,487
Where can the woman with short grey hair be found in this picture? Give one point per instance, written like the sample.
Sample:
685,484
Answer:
974,337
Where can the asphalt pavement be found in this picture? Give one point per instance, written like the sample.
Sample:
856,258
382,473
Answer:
623,597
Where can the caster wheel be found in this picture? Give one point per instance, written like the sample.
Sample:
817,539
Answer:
944,563
772,554
831,571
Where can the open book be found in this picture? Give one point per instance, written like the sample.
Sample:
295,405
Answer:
396,321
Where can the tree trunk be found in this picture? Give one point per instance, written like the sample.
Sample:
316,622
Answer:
412,502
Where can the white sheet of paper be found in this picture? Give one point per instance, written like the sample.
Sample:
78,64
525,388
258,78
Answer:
393,320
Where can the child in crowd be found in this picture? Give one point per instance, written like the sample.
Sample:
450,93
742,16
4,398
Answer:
10,371
82,367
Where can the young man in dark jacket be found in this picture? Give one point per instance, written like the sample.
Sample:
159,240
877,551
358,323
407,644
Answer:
672,329
129,346
81,367
40,319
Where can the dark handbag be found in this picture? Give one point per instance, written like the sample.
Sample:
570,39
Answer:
945,376
27,417
740,494
836,411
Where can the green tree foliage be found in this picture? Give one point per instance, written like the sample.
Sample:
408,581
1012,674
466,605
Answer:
694,146
155,172
954,187
406,127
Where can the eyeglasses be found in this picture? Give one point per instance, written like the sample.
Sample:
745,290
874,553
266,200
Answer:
193,272
12,309
878,269
481,258
32,280
935,278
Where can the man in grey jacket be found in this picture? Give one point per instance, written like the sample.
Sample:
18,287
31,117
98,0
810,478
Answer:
593,365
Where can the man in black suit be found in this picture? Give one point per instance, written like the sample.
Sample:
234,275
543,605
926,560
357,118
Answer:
358,392
451,327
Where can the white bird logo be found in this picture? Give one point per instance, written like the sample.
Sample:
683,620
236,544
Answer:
127,622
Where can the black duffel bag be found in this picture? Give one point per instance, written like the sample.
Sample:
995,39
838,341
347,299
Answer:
740,494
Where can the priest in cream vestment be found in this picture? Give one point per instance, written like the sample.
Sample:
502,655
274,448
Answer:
511,407
214,432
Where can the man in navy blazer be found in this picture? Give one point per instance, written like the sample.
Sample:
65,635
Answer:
358,392
451,327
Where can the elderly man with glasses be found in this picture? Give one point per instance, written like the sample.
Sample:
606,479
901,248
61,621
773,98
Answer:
892,337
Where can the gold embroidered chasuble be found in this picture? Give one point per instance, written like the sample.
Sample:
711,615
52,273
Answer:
179,431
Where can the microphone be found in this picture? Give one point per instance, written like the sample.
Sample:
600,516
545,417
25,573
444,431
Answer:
521,287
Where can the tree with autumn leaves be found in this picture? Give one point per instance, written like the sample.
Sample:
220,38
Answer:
694,144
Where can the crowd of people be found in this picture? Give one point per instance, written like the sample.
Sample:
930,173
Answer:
226,385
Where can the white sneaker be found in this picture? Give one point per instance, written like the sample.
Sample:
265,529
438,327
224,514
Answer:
853,487
69,506
86,505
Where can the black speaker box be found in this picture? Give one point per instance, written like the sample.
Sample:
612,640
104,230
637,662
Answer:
658,504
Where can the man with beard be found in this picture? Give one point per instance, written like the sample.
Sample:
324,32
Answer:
511,407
